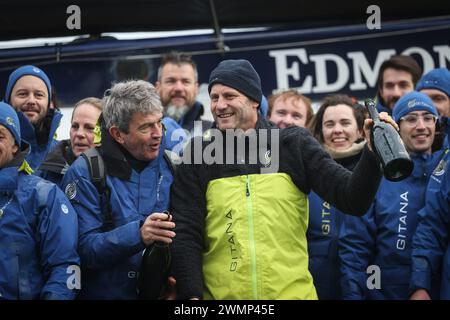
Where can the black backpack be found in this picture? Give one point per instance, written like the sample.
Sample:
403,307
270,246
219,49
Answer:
97,171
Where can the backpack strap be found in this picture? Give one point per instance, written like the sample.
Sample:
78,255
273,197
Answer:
97,173
96,168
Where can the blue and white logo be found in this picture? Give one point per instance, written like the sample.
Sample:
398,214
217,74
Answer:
64,208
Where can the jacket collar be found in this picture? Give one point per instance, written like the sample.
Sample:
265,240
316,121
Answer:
194,113
48,128
8,174
115,161
261,124
381,107
422,164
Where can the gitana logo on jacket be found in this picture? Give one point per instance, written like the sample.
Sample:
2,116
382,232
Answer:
267,159
64,209
71,190
440,169
10,121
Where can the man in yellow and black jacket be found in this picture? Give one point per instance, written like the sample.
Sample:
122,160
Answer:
241,219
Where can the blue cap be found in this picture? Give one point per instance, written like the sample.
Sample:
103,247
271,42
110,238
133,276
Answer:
438,79
9,119
413,101
27,71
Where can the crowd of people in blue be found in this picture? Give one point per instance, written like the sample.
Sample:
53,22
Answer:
311,218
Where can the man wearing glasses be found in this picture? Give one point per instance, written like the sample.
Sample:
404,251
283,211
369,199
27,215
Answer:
383,237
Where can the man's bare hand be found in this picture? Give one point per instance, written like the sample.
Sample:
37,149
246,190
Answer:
368,124
157,227
171,290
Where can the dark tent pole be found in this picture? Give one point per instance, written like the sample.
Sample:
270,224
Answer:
217,30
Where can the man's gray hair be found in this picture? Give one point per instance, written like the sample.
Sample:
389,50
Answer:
125,99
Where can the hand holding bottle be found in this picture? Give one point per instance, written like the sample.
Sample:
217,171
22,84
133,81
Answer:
386,143
153,279
157,227
369,123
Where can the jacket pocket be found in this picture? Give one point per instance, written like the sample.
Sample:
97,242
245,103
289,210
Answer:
22,266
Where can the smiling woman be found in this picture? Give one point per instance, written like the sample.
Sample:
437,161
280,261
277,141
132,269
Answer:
84,118
338,125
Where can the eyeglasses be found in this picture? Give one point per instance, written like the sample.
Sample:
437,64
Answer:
412,119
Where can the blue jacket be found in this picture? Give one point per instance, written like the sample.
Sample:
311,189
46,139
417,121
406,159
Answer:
38,238
323,232
383,236
445,121
175,136
41,146
431,250
111,258
382,108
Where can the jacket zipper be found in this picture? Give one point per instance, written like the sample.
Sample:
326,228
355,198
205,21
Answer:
251,240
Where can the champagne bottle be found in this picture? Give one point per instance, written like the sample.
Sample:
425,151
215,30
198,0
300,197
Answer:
154,270
389,147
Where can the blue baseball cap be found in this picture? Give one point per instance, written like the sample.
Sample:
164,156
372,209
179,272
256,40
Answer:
413,101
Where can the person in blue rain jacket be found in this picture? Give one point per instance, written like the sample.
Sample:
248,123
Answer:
428,251
38,226
29,92
138,178
431,253
380,241
338,126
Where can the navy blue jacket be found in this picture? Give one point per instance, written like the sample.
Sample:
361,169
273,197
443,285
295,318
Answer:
44,143
38,238
382,108
445,121
431,251
194,114
323,232
111,258
175,135
383,236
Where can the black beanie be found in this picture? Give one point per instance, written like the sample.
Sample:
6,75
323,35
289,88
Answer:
239,75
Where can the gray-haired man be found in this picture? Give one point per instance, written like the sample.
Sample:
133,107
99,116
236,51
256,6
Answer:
138,179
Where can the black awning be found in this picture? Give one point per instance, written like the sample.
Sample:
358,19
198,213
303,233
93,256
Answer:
21,19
